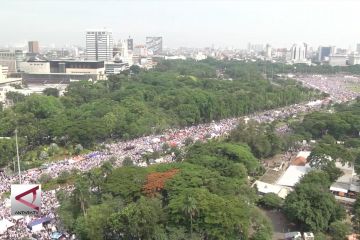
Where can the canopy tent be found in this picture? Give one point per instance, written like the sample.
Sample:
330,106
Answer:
8,203
336,189
91,155
4,225
56,235
155,140
38,222
17,217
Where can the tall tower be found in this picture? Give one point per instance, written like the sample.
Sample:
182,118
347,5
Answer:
99,45
130,43
268,51
299,52
33,46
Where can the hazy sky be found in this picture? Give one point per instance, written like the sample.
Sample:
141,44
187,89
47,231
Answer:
183,23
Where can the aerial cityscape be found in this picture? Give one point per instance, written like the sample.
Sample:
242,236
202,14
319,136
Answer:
179,120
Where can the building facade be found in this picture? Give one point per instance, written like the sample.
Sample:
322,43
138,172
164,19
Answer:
268,51
99,45
8,59
78,67
55,78
358,48
130,44
337,60
298,52
33,47
154,44
35,67
325,52
354,59
3,73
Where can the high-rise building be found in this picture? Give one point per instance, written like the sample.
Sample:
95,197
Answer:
299,53
8,59
154,44
268,51
325,52
354,59
358,48
255,48
19,58
130,44
99,45
33,46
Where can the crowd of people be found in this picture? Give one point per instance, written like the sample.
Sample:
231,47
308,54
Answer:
340,88
136,148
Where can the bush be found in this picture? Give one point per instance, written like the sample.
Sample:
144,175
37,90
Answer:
78,149
53,149
127,162
339,230
188,141
63,177
43,155
45,178
271,201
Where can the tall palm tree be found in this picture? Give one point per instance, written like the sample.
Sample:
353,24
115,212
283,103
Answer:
190,210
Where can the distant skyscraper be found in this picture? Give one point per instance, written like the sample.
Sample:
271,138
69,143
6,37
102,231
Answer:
19,58
325,52
33,46
255,47
299,53
99,45
358,48
268,51
130,44
154,44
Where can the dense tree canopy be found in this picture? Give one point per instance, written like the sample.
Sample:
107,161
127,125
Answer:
311,204
184,200
175,93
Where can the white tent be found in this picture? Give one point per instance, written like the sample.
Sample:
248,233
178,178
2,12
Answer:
4,225
37,228
159,160
155,140
7,203
17,217
304,154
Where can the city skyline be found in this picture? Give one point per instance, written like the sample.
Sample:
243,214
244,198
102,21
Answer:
205,23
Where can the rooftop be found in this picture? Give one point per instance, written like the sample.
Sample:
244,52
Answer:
292,175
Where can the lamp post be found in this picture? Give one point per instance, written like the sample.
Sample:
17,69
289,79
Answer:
17,154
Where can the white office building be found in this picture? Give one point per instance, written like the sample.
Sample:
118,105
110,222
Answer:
268,52
358,48
299,53
3,73
354,59
99,45
337,60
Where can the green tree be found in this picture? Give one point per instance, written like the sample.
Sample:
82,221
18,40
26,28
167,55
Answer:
127,162
190,210
15,97
140,220
339,230
217,218
271,201
135,69
311,204
51,92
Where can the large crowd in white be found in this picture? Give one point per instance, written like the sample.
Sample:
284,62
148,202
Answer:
137,147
